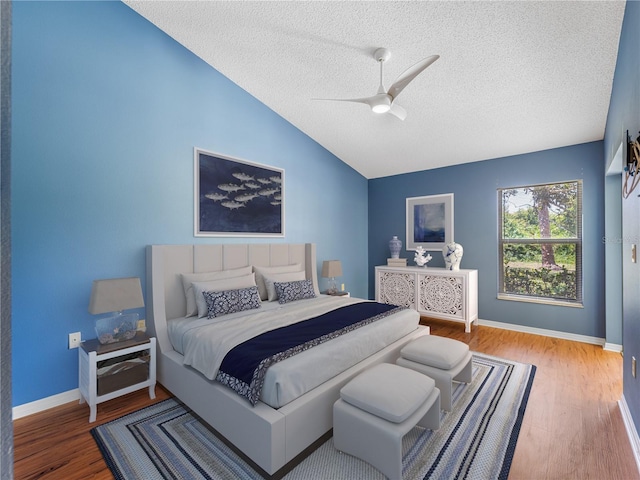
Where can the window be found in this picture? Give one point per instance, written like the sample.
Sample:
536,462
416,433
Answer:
540,243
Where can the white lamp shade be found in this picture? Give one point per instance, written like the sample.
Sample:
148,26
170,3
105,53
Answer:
331,268
115,295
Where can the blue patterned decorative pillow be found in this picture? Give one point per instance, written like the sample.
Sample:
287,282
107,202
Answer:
298,290
231,301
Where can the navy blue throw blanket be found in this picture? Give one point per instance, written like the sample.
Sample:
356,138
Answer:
244,367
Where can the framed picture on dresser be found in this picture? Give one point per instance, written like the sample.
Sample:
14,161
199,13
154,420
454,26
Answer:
429,221
235,197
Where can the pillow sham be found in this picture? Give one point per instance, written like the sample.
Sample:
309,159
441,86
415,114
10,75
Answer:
220,285
189,278
269,281
231,301
262,271
297,290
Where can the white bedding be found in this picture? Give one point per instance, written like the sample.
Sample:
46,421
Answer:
204,343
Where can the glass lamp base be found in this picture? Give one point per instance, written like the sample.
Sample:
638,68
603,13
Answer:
116,328
333,286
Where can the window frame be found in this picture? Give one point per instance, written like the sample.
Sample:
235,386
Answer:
577,241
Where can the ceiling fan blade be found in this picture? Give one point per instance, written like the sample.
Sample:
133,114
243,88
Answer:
379,103
398,111
409,74
366,100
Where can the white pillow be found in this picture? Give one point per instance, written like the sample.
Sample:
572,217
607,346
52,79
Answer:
262,271
233,283
189,278
269,281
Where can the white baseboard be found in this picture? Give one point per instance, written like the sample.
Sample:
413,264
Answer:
45,403
634,440
545,333
613,347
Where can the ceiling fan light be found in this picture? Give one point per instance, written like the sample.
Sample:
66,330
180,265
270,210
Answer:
381,103
381,108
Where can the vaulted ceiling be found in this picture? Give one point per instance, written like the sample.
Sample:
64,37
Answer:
513,76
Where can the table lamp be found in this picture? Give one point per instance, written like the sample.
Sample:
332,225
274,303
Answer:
332,269
113,296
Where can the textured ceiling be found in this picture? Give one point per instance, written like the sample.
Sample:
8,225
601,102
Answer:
513,77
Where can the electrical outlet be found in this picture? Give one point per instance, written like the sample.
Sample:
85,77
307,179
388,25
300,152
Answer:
141,325
74,340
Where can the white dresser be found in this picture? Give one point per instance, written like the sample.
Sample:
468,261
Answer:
433,292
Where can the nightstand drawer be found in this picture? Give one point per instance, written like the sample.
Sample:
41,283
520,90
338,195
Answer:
121,372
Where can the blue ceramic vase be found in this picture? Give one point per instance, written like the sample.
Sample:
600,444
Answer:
395,245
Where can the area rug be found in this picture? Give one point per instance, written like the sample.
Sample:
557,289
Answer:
476,440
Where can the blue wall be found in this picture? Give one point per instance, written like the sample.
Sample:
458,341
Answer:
106,112
624,114
613,258
475,187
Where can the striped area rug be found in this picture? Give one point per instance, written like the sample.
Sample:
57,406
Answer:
475,441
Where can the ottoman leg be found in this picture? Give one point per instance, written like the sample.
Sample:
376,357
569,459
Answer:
443,382
431,419
368,438
466,374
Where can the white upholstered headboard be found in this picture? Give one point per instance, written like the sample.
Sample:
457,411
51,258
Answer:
165,263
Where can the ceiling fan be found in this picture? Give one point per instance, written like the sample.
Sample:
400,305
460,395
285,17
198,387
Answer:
384,100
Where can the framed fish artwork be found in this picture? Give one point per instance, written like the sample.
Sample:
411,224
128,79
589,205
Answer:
235,197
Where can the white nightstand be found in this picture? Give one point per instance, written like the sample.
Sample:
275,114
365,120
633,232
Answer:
114,369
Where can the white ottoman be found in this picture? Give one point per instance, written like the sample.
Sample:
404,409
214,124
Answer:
377,408
443,359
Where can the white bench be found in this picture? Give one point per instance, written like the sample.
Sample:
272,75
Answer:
443,359
377,408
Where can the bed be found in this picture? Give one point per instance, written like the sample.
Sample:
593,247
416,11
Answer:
271,436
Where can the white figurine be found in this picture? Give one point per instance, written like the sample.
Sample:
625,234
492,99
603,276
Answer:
420,258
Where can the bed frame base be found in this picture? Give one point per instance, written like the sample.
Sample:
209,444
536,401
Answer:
271,438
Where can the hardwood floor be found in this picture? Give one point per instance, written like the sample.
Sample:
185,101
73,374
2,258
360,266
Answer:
57,443
572,427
